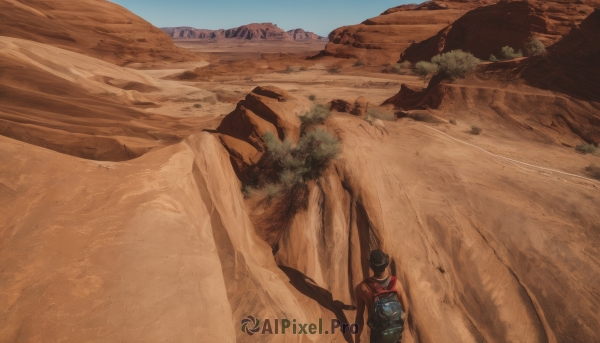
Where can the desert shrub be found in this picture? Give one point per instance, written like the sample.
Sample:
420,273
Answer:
246,191
312,97
508,53
197,105
396,69
455,64
425,117
271,191
304,161
424,69
291,69
587,149
359,63
317,115
379,114
453,121
493,58
594,171
406,65
537,47
333,70
475,130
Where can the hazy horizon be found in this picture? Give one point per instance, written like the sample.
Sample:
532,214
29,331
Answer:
317,16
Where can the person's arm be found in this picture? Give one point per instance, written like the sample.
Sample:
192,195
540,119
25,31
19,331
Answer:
360,311
402,297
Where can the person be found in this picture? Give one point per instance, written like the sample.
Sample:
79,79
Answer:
382,295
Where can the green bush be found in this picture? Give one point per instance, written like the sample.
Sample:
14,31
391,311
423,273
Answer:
271,191
493,58
587,149
475,130
197,105
406,65
455,64
537,47
508,53
424,69
453,121
594,171
312,97
305,161
246,191
317,115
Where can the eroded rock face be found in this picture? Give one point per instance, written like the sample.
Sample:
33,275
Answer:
571,65
99,29
484,31
381,39
266,109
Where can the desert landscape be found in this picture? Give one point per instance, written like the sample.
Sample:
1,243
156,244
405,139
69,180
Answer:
163,185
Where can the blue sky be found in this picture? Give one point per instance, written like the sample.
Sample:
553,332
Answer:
320,17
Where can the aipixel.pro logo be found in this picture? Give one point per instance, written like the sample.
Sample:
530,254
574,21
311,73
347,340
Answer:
252,325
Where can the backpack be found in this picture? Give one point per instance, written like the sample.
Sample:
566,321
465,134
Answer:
385,320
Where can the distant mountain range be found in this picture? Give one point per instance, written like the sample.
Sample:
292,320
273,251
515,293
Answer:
262,31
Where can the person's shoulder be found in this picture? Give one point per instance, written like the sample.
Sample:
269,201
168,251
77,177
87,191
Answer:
362,288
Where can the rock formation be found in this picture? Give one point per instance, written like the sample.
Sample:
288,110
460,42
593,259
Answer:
100,29
485,30
81,106
264,31
381,39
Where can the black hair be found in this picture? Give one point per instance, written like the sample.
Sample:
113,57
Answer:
378,260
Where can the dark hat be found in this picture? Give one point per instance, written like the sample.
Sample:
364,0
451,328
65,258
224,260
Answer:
379,259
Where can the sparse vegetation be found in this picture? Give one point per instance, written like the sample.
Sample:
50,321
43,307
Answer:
380,114
406,65
594,171
508,53
493,58
475,130
197,105
304,161
537,47
359,63
425,69
425,117
291,69
333,70
246,191
453,121
588,149
312,97
209,99
317,115
455,64
271,191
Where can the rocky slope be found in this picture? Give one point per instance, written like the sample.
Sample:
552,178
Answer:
381,39
96,28
566,113
79,105
264,31
484,31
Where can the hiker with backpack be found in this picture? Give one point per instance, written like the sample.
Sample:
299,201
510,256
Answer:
385,301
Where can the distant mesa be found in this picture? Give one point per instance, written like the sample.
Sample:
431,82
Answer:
262,31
